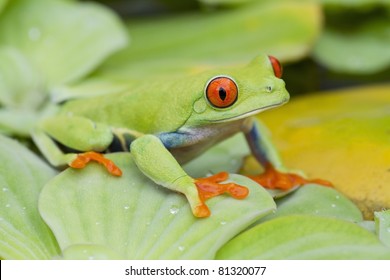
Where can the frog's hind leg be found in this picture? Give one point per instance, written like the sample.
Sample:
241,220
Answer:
79,134
275,175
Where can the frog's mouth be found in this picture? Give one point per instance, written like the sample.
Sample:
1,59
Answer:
250,113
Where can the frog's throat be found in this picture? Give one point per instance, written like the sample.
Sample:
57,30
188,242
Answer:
248,114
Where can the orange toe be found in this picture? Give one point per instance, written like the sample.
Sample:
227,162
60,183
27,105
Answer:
211,186
273,179
82,160
202,211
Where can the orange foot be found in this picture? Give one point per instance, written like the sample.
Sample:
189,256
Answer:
210,186
82,160
273,179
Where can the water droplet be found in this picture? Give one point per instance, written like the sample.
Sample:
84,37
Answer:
127,207
333,205
174,210
181,248
316,211
223,223
5,189
34,34
337,197
388,229
97,223
8,205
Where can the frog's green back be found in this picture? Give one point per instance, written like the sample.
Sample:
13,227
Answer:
157,106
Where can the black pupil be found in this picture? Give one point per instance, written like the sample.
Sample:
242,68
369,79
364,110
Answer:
222,93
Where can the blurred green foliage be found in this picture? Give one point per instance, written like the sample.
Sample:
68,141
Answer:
348,43
47,54
192,41
45,44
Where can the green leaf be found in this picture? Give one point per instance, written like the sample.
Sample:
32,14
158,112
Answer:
17,122
138,219
2,4
224,2
363,50
305,237
354,3
89,252
317,200
382,220
23,234
227,156
193,42
368,225
20,84
21,90
65,40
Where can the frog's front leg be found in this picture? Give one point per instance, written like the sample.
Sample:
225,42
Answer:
79,134
260,144
157,163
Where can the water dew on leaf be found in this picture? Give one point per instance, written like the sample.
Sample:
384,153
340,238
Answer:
328,202
23,233
161,222
181,248
34,34
174,210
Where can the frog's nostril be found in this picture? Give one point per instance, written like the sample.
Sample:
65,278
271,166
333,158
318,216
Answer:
269,89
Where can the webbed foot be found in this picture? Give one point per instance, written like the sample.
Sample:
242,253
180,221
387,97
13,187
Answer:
274,179
211,186
83,158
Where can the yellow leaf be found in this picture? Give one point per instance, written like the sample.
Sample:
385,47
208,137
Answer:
342,136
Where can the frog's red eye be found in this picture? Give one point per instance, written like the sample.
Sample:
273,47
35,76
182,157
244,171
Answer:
278,69
221,92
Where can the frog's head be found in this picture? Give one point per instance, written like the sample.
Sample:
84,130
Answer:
239,93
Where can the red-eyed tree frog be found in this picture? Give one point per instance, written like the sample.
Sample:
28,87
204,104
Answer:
165,124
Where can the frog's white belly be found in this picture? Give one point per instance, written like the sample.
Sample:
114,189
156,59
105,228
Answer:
199,139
